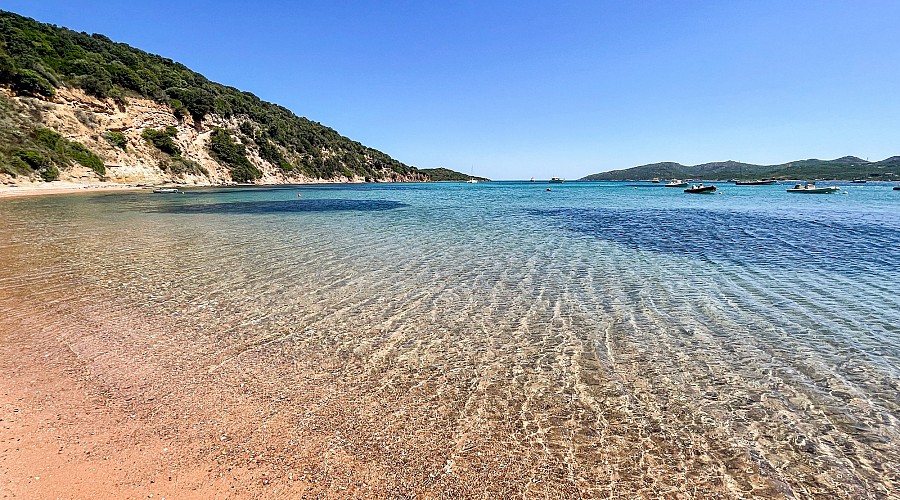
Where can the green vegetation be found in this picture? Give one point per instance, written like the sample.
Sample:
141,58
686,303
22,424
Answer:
175,164
272,154
179,166
26,81
116,138
84,156
162,139
234,155
37,162
848,167
26,151
36,58
445,174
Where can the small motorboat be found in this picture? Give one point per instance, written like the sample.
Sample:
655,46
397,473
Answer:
896,188
700,189
556,180
810,188
676,183
166,190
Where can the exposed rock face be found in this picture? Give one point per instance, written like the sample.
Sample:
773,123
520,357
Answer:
84,118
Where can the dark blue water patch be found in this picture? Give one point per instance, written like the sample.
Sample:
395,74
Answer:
280,207
741,238
304,188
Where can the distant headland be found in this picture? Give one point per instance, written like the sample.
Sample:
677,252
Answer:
845,168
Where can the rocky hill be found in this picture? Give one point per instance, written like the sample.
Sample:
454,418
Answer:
81,107
847,168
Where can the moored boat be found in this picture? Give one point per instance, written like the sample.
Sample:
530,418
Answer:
166,190
810,188
676,183
556,180
700,189
896,188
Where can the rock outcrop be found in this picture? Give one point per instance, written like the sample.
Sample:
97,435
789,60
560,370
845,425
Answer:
88,120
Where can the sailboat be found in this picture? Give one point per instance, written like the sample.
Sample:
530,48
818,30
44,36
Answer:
472,179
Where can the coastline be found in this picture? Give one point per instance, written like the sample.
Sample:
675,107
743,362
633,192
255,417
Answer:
62,187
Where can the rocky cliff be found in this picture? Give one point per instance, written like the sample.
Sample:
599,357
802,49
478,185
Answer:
88,120
78,106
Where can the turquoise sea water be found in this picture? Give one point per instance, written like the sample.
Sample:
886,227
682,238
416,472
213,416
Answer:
637,339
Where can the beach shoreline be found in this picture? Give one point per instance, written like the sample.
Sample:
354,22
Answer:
63,187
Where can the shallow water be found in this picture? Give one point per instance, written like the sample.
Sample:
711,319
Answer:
602,338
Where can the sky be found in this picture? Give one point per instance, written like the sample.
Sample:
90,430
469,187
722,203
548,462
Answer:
520,89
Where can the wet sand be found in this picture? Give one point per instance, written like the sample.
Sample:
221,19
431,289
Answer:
127,417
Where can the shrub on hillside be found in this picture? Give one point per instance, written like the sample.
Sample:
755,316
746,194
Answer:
233,155
116,138
26,81
64,151
84,156
182,166
271,153
37,162
162,139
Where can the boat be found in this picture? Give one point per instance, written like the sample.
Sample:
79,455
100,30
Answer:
859,181
556,180
700,188
655,180
810,188
166,190
676,183
762,182
532,179
896,188
472,179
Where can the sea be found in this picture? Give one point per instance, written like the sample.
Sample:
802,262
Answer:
594,338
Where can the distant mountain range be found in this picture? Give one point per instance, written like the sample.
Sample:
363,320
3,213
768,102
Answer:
845,168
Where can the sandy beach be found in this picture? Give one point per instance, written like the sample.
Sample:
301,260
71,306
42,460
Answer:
104,424
62,187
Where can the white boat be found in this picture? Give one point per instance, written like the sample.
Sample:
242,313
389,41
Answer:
810,188
556,180
676,183
166,190
472,179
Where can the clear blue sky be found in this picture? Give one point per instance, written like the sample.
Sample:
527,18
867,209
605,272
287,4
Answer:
520,89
